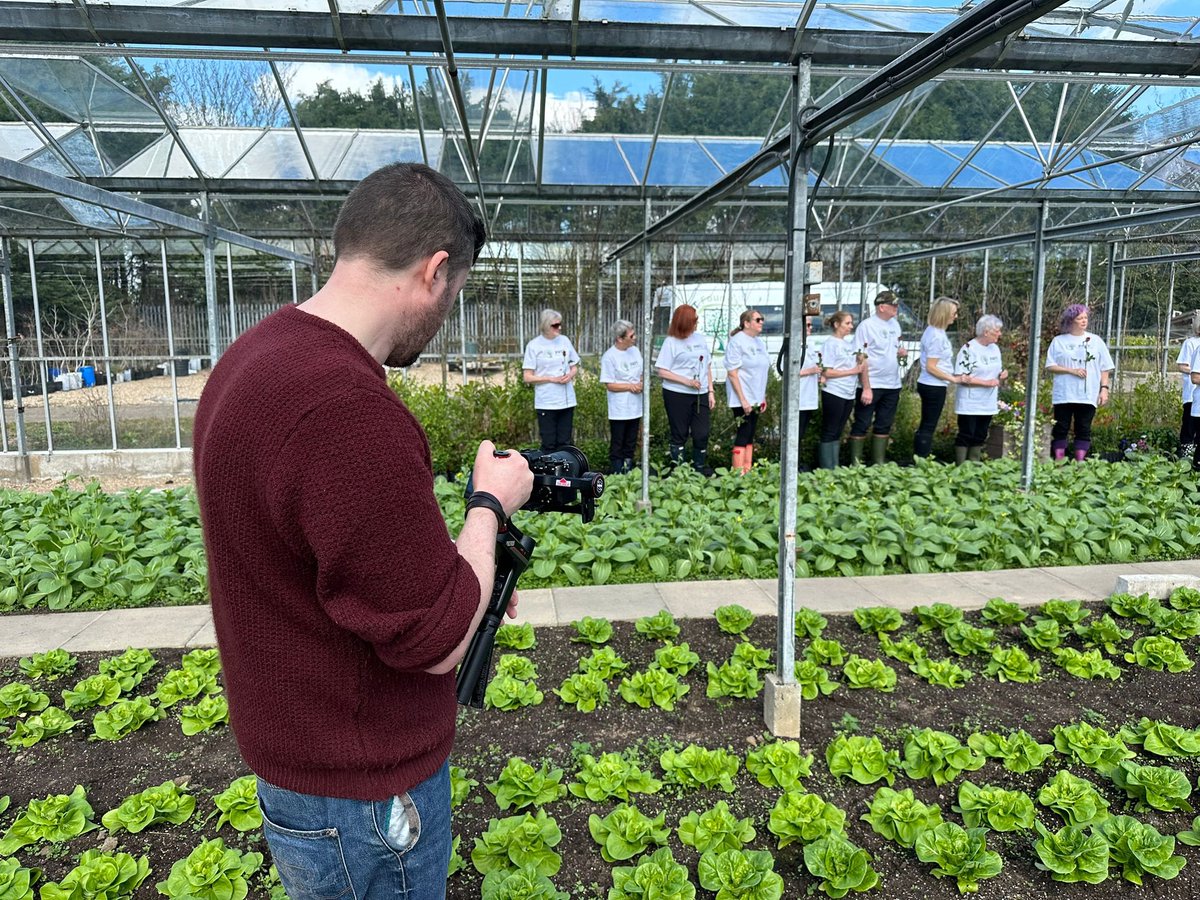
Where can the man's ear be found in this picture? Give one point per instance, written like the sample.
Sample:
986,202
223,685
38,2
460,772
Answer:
429,272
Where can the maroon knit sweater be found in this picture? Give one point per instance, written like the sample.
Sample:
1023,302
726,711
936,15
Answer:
333,579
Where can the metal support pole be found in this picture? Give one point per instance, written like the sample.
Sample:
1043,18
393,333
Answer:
1170,315
108,380
986,260
1087,279
462,334
932,279
674,267
14,353
171,342
579,297
1110,292
314,271
647,346
232,304
862,277
41,349
210,284
1119,337
1035,346
618,289
521,296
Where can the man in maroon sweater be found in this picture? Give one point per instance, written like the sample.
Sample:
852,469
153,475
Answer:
341,604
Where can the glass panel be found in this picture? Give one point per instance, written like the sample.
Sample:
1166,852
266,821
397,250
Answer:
77,89
676,161
77,148
214,149
584,160
18,140
730,154
372,149
923,164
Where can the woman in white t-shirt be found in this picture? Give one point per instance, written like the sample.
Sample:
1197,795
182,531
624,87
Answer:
621,375
1187,427
840,368
979,372
685,366
937,371
550,365
1081,367
747,366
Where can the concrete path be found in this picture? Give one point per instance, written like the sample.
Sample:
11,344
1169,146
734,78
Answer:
191,626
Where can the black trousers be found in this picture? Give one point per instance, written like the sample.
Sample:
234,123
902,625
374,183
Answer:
1081,413
746,427
972,431
835,412
688,414
1187,427
554,425
882,408
933,399
623,435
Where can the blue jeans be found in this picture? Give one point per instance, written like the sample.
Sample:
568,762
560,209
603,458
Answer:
327,848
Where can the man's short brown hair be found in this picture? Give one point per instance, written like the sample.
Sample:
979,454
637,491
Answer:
404,213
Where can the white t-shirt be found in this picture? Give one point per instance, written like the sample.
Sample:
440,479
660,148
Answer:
837,354
978,361
881,340
1072,351
1195,363
622,367
1186,354
551,356
935,345
690,358
747,356
810,387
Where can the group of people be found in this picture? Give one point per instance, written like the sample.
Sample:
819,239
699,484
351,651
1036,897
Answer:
855,377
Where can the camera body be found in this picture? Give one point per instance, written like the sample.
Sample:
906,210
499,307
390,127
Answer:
561,482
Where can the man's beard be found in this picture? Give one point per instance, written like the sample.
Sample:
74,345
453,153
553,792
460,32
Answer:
413,335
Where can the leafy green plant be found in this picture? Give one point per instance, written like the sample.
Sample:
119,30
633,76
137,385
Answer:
594,631
97,690
699,767
1085,664
1103,633
612,775
800,817
521,785
715,830
525,883
939,616
655,877
1019,751
460,786
862,759
517,841
1043,634
906,650
211,872
958,853
1162,738
210,712
941,672
965,639
48,723
814,680
17,699
1071,854
677,658
1013,664
779,764
1153,787
508,693
659,627
163,803
51,665
514,665
1092,746
999,611
123,718
809,622
16,881
130,667
752,657
1177,625
100,876
625,832
878,620
1075,799
605,662
1066,613
733,679
869,673
587,690
737,874
55,819
1191,837
733,618
840,866
899,816
938,755
205,661
825,652
1185,599
183,684
1140,849
653,686
457,864
1142,608
516,637
1158,652
994,807
238,805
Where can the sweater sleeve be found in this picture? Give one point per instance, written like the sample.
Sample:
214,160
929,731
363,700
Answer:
355,498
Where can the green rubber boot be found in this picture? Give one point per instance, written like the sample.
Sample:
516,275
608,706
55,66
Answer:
975,454
856,450
960,455
827,454
879,444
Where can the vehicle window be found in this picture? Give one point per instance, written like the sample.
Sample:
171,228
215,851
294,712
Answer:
772,319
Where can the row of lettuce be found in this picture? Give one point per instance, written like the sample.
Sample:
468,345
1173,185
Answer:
84,549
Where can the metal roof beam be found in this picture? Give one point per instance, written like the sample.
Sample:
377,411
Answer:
1155,260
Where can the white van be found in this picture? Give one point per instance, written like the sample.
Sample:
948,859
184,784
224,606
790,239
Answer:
720,304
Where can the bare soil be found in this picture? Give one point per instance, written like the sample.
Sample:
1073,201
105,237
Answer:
555,732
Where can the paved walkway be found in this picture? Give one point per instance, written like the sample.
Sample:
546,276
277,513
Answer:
191,626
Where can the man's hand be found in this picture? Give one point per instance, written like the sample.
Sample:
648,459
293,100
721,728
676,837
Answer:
507,478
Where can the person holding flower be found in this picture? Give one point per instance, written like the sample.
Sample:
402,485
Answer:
747,366
979,372
841,370
1187,426
878,337
1082,368
936,373
550,365
685,366
621,375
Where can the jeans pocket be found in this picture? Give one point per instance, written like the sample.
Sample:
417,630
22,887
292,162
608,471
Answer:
398,822
311,863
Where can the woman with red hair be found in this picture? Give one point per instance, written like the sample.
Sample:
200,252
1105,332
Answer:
1082,367
685,366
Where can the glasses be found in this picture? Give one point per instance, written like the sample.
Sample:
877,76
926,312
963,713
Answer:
556,324
757,319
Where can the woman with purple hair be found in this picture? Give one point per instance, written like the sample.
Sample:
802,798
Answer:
1081,367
